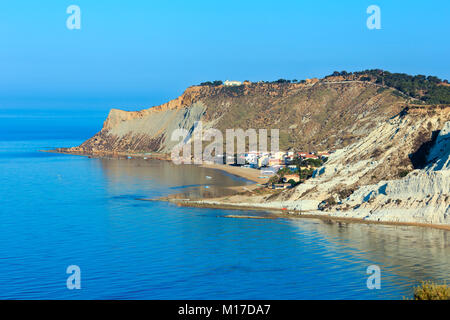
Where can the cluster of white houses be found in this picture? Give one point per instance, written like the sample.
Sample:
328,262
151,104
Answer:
271,162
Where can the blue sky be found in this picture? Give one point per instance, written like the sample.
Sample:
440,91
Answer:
136,54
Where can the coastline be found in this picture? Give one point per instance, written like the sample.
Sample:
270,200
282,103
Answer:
250,175
111,154
293,214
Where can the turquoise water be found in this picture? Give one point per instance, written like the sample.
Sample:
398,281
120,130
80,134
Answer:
60,210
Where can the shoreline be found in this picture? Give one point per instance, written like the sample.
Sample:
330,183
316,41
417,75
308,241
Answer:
292,214
110,154
246,173
250,175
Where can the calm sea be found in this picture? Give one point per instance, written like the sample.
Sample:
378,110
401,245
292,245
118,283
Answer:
60,210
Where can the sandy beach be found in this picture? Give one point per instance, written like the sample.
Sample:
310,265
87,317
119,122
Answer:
247,173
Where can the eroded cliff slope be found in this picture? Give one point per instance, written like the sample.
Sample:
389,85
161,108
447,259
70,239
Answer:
311,116
400,172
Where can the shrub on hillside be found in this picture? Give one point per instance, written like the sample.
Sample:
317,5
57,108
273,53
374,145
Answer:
427,89
403,173
431,291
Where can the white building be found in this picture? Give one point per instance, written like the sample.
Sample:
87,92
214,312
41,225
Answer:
278,155
263,161
251,158
232,83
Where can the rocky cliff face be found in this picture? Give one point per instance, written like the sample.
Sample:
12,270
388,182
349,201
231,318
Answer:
399,172
312,116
